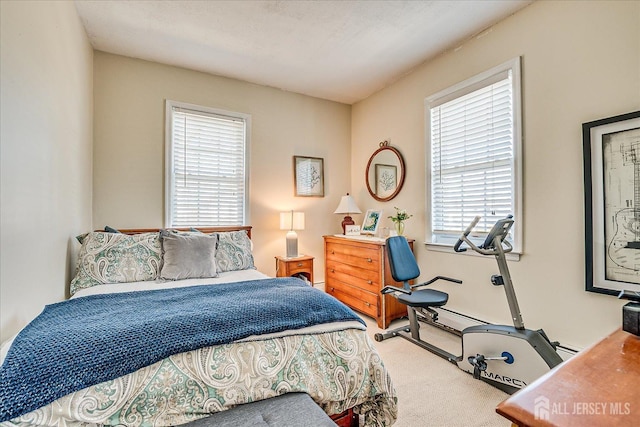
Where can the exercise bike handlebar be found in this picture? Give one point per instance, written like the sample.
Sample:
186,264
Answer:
463,237
494,244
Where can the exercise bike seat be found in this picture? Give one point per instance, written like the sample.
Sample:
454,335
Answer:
404,268
424,298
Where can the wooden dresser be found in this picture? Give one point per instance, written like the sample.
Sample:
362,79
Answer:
598,387
355,271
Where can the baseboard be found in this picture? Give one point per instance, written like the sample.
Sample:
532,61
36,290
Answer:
565,352
455,320
458,321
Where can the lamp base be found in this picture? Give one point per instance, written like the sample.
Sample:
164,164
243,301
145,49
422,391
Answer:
346,221
292,244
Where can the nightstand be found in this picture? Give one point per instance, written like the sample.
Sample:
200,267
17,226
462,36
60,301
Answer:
287,267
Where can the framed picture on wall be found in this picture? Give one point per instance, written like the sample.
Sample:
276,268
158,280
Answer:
611,151
308,176
386,179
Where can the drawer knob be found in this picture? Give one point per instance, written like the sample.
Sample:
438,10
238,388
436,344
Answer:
369,260
299,264
368,304
332,270
332,252
370,282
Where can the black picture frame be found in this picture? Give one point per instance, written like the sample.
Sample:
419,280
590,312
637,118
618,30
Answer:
611,156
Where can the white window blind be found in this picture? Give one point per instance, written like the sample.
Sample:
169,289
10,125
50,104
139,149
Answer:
206,167
473,155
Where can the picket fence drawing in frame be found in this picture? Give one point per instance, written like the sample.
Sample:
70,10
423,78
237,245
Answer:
611,149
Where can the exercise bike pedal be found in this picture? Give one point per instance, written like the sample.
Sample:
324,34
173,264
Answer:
479,362
479,365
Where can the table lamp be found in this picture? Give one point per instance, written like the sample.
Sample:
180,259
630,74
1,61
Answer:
347,206
292,221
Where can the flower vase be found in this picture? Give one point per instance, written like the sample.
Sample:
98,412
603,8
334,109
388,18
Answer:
399,228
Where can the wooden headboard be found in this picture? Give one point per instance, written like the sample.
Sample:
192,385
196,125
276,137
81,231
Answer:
247,228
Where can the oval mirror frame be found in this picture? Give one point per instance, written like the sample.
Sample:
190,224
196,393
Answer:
373,167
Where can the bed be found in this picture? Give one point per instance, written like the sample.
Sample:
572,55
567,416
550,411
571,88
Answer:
166,335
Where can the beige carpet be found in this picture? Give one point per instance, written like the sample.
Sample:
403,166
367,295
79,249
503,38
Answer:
431,391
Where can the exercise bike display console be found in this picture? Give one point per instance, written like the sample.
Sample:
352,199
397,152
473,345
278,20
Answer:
507,357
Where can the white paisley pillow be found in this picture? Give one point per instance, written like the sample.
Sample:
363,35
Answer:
117,258
234,251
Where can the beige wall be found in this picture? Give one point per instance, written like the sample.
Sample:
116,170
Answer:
46,124
129,149
581,62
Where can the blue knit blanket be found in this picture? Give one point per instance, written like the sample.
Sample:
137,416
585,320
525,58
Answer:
81,342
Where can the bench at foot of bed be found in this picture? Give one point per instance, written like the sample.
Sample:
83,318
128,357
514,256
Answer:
287,410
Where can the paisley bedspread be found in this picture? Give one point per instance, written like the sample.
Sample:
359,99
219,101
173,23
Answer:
84,341
338,367
339,370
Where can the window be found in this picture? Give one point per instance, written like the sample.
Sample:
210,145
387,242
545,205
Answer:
473,152
206,166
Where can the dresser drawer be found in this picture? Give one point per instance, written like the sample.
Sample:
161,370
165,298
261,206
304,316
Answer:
363,301
358,277
357,256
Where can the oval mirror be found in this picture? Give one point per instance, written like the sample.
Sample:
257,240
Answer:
385,173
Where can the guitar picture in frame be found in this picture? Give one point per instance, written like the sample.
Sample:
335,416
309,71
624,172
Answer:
612,203
621,152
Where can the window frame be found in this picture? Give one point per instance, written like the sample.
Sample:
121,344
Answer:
458,90
169,176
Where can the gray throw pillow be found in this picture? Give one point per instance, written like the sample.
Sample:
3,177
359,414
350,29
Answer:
188,255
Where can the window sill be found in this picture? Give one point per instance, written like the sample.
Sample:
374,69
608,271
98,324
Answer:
441,247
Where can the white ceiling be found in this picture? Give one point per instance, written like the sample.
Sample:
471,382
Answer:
338,50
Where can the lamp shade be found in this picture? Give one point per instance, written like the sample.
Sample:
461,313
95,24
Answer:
347,205
292,220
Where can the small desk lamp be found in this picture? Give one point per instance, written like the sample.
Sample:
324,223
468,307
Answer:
292,221
347,206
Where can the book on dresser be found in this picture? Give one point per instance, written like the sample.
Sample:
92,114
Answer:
356,269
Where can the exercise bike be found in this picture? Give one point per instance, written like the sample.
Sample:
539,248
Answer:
507,357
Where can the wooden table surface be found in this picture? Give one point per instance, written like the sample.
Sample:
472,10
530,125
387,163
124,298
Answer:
599,386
